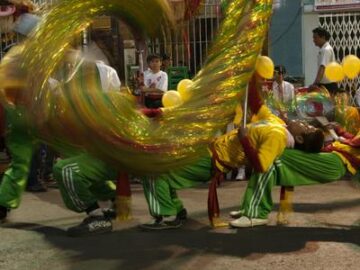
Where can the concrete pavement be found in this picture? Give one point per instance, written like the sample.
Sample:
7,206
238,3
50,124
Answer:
324,234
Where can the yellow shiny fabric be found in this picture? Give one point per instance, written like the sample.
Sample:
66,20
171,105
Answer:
267,135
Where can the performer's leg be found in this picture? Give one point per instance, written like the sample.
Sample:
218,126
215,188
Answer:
293,168
77,178
20,145
308,168
257,200
158,196
160,192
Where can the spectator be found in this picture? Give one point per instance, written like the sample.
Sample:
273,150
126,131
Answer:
155,82
283,91
166,62
357,97
326,55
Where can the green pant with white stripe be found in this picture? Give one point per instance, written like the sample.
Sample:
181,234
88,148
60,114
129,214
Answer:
83,180
160,191
293,168
21,144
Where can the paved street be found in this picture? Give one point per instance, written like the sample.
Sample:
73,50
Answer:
324,234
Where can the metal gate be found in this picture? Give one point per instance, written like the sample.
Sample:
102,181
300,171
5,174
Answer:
345,39
189,46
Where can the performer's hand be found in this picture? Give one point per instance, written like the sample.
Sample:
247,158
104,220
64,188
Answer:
342,139
332,125
242,132
283,115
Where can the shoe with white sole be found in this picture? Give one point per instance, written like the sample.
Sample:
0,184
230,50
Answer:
163,223
91,225
244,222
236,214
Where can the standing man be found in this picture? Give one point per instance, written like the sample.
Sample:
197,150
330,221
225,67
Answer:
326,55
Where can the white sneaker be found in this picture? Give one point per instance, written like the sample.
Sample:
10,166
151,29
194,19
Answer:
236,214
245,222
241,174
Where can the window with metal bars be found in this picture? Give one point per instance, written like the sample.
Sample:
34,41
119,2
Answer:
345,39
189,45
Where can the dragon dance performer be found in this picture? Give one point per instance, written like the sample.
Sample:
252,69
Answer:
80,188
83,179
297,168
267,137
21,144
20,136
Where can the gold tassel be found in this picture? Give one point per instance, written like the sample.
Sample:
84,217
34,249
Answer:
123,197
286,206
217,222
123,208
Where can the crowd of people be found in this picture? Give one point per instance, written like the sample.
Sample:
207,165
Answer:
279,151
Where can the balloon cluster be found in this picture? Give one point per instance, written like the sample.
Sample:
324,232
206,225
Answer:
350,68
174,98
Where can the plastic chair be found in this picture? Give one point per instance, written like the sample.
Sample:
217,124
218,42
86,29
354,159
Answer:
175,75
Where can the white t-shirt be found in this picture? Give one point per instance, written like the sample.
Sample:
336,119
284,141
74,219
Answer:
326,55
288,91
357,97
160,79
108,76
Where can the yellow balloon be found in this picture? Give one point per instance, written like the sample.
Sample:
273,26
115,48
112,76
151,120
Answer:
351,66
265,67
334,72
184,89
171,98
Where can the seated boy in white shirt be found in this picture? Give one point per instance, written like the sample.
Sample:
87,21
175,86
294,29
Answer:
155,82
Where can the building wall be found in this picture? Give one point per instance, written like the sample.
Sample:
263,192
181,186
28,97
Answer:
285,46
310,51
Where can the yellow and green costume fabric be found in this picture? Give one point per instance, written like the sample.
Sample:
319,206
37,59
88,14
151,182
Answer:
293,168
21,145
267,134
83,180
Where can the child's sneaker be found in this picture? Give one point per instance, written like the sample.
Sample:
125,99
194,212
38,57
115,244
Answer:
91,225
